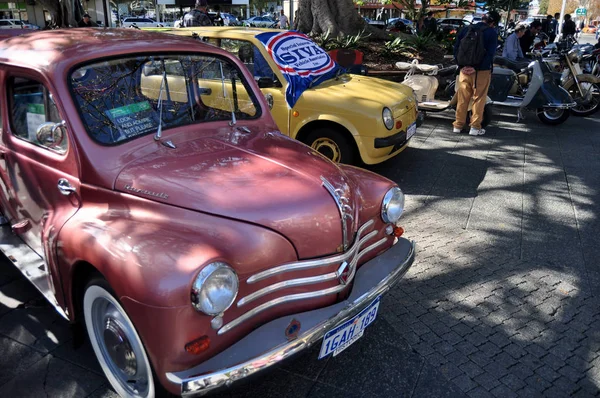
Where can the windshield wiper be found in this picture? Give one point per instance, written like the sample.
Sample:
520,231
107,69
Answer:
233,121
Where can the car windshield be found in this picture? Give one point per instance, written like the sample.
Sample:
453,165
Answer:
125,98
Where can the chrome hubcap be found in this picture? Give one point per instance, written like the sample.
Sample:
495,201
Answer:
116,340
328,148
118,347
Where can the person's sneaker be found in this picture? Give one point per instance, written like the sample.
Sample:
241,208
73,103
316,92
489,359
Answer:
456,130
475,131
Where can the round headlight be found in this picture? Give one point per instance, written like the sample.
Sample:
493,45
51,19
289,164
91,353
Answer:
392,206
388,118
215,289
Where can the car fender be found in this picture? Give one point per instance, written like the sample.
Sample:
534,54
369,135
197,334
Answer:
151,252
314,117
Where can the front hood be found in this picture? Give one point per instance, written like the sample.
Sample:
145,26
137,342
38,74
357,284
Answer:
265,179
357,89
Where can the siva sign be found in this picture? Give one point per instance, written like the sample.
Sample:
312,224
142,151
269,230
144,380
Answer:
301,61
581,11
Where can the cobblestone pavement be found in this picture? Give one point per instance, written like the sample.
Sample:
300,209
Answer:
501,302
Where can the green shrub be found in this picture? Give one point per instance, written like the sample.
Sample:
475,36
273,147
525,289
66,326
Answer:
398,46
423,43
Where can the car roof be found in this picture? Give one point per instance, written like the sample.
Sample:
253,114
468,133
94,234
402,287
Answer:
64,48
220,31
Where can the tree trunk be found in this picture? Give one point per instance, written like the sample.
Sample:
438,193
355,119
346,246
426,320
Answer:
336,16
64,13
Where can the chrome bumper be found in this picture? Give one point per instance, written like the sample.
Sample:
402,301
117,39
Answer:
267,345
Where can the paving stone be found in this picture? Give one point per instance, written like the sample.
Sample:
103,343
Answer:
465,383
15,358
52,377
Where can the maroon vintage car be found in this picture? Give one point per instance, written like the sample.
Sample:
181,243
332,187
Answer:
147,194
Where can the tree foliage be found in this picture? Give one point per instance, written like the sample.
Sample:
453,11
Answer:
543,7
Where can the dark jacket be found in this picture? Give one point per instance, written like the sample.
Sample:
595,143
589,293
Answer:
526,41
490,39
90,24
569,28
196,18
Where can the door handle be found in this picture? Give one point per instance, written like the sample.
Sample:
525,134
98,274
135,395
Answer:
65,187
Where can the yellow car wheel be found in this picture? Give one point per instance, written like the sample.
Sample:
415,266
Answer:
333,145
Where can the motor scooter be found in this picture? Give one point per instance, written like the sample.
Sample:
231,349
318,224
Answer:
425,81
529,86
583,86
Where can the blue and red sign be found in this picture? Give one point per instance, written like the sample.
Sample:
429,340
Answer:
302,62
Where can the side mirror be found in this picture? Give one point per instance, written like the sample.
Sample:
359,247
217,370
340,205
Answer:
266,82
51,134
270,100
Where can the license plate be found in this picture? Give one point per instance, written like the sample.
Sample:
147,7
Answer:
340,338
412,129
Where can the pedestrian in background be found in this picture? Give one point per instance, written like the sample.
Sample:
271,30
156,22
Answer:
568,28
512,48
86,22
474,52
528,37
197,16
430,24
554,27
284,23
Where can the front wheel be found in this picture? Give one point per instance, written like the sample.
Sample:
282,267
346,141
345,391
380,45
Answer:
332,144
587,104
116,343
553,116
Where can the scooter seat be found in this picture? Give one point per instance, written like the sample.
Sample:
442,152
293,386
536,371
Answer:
417,68
448,71
516,66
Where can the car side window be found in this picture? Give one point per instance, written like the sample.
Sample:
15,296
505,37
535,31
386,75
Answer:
32,106
251,56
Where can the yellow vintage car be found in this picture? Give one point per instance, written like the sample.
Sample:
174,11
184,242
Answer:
347,118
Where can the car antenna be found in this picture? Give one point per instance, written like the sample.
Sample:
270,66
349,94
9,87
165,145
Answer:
158,134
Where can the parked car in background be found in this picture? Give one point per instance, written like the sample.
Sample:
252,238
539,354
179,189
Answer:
230,19
447,25
141,22
260,22
16,24
400,25
148,195
347,118
375,23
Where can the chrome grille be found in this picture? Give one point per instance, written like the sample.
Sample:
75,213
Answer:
351,258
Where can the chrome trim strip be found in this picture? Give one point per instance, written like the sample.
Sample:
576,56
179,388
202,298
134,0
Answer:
342,203
301,296
286,284
203,384
300,265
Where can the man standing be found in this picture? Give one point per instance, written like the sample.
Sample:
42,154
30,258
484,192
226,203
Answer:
283,21
430,24
86,22
529,36
568,28
474,53
197,16
554,26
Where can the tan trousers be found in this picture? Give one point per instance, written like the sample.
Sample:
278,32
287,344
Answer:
469,88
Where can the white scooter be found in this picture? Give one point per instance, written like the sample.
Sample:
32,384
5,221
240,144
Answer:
423,79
